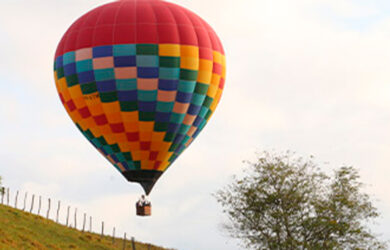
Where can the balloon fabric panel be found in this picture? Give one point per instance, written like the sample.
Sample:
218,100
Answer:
140,79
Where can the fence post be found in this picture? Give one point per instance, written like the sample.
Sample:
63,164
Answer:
58,211
132,243
113,236
75,218
84,221
48,209
67,216
32,203
90,224
2,191
102,229
24,202
124,242
7,196
16,199
39,205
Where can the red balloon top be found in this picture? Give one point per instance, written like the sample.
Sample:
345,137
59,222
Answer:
139,21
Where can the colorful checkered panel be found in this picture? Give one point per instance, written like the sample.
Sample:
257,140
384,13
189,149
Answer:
140,79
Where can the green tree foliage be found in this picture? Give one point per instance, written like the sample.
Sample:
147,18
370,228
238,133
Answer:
286,202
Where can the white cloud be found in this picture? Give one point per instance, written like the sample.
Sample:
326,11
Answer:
350,8
12,111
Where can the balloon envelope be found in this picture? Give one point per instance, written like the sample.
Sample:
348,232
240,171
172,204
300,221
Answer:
140,79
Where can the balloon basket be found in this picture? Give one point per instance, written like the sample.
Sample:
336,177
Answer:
144,210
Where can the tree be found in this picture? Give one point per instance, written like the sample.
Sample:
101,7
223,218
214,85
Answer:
286,202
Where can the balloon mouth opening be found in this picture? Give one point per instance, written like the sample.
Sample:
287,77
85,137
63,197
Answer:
147,178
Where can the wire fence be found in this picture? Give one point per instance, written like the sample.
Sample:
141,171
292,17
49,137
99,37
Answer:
37,204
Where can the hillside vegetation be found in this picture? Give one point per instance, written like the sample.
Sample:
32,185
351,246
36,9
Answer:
21,230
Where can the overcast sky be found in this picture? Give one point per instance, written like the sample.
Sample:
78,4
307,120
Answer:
309,76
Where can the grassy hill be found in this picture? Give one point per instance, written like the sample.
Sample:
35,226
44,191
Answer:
20,230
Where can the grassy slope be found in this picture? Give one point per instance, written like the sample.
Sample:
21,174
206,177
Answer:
20,230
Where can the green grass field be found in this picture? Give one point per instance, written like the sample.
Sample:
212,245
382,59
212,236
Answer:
20,230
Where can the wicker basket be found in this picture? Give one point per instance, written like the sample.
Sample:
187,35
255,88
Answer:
145,210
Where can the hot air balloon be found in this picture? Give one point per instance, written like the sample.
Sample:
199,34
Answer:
140,79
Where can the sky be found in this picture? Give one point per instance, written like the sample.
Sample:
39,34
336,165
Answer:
306,76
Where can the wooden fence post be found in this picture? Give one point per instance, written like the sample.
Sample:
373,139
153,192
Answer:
84,221
39,205
2,191
75,218
67,216
32,203
132,243
102,230
124,242
48,209
58,211
113,236
24,202
90,224
7,196
16,199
